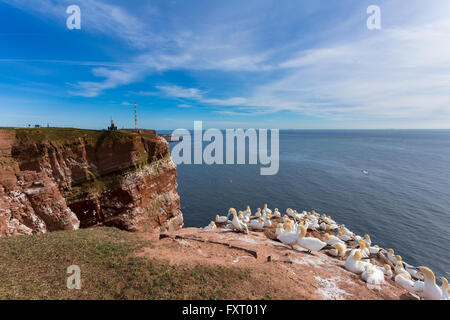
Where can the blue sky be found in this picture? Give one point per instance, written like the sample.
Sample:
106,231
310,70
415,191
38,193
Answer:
256,63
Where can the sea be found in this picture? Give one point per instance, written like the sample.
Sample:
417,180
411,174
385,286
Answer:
392,184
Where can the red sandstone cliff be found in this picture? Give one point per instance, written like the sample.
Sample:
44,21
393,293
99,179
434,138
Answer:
62,179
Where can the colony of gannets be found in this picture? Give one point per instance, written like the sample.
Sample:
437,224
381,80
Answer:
361,257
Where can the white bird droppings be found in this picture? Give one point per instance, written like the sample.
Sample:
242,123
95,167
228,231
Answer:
329,290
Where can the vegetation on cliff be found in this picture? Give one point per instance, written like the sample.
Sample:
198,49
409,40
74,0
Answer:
34,267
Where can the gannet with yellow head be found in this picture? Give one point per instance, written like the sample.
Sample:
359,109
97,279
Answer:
276,213
211,226
399,269
309,243
431,290
444,289
248,212
330,240
373,276
343,236
258,213
221,219
367,239
354,263
267,209
289,237
237,223
279,229
339,250
257,223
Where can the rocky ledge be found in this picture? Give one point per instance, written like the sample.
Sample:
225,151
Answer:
63,179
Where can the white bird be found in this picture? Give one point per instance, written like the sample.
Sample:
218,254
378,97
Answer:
387,271
237,223
267,222
339,250
444,289
343,236
372,275
431,290
221,219
211,226
277,213
257,223
399,269
374,250
258,213
367,239
413,271
309,243
346,232
330,240
267,209
289,237
243,217
391,256
323,226
289,211
363,247
279,229
405,283
248,212
354,263
358,238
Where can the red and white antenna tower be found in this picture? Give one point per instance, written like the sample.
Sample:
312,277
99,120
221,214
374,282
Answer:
135,116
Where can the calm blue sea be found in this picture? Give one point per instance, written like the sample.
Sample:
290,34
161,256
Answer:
403,202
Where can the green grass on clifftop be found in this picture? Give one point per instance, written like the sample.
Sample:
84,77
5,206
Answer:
34,267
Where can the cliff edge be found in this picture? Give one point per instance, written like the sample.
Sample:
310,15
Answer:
64,179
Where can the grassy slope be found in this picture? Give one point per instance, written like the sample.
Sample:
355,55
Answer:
34,267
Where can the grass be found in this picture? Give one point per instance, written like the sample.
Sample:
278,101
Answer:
34,267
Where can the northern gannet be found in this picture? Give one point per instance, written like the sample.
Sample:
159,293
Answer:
237,223
258,213
323,226
248,212
372,275
399,269
330,240
309,243
391,256
413,271
363,248
221,219
343,236
289,237
354,263
367,239
279,229
267,209
339,250
243,217
257,223
211,226
388,271
267,222
374,250
405,282
431,290
277,213
444,289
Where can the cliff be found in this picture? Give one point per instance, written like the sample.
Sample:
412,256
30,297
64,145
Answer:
64,179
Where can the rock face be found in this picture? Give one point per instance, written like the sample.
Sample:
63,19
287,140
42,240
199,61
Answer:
62,179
